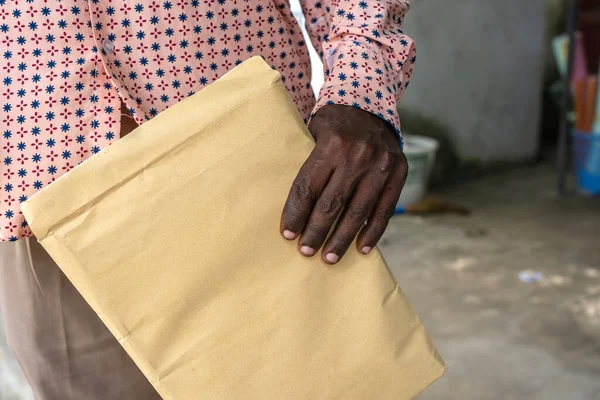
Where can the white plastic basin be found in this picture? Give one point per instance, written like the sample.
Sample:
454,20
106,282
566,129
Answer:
420,153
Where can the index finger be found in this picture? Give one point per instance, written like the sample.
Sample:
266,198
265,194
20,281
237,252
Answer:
306,189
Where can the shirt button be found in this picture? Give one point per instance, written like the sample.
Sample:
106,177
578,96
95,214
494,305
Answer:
108,46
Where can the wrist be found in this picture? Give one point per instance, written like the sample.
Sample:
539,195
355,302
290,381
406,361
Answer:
353,122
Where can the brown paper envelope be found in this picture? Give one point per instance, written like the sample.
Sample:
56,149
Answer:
172,236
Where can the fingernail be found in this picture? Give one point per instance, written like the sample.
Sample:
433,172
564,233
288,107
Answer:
366,250
307,251
289,235
332,258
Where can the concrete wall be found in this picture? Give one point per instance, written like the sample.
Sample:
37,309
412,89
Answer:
478,75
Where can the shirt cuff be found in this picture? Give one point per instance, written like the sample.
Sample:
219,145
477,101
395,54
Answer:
363,79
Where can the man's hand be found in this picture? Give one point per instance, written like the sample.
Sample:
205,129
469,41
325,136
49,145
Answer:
354,176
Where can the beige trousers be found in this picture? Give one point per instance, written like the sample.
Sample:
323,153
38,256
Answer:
64,350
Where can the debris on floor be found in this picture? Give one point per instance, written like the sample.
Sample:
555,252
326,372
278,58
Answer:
529,276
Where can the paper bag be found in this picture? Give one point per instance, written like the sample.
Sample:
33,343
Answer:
172,236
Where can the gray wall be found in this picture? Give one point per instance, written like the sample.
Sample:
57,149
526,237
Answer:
478,75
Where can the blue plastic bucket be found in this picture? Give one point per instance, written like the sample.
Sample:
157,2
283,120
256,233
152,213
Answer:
586,147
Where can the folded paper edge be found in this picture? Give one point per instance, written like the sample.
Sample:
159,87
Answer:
248,79
70,265
398,289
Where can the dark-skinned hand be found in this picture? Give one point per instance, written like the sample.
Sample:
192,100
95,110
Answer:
354,177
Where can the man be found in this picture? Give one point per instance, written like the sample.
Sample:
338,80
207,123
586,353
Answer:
77,75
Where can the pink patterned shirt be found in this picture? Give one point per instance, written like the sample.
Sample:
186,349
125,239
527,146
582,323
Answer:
66,64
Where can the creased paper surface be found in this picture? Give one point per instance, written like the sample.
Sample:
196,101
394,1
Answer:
171,235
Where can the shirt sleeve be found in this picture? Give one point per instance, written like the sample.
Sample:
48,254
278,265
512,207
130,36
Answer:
367,58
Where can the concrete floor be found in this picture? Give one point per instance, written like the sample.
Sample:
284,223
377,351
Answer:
502,338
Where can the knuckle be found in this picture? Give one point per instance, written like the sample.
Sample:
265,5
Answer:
364,151
387,161
404,169
314,233
402,164
332,142
358,213
342,241
303,191
293,212
329,205
385,214
376,230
